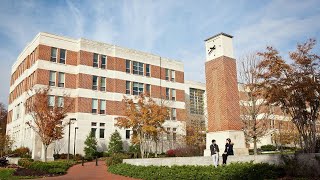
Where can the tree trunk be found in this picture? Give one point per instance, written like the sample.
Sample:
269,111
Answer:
255,146
45,152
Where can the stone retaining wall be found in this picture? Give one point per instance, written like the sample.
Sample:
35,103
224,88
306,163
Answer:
207,160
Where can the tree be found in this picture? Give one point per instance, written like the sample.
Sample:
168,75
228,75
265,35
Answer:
6,143
195,129
145,118
115,143
295,87
255,113
90,148
47,116
3,119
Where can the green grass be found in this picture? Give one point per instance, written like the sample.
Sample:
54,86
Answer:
7,173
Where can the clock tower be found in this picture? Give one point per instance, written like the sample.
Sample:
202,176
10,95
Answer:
222,95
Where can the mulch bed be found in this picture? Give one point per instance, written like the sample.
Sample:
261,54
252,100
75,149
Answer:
21,171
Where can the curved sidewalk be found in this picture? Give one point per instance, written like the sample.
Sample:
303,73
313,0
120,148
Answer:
89,171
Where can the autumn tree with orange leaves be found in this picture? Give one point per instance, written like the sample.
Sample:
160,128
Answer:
295,87
47,116
145,117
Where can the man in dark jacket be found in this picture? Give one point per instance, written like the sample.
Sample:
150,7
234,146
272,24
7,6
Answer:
214,148
227,151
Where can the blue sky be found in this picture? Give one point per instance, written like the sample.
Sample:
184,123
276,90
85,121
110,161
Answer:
173,29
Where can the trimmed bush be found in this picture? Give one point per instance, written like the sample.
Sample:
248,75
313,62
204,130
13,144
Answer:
116,158
22,152
233,171
54,167
268,147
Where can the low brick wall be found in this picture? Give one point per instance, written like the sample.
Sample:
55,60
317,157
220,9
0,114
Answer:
207,160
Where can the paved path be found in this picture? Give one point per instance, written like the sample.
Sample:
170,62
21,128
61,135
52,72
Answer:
89,172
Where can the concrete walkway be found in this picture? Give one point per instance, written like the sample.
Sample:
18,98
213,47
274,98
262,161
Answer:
89,171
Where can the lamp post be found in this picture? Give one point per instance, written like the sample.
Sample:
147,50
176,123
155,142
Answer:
71,119
74,142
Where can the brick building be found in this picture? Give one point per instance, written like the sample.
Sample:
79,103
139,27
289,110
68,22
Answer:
97,76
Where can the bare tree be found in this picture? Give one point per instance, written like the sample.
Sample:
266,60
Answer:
3,119
47,116
255,113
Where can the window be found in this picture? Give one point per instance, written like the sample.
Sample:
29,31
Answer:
93,124
95,60
128,67
61,80
127,134
173,94
103,61
173,114
53,55
50,101
174,129
18,111
148,89
102,106
168,133
60,101
147,69
174,136
94,105
102,84
167,74
173,75
137,68
196,101
93,132
94,82
62,56
128,87
167,93
101,133
137,88
52,78
102,124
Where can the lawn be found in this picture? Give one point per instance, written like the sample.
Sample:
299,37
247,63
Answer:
7,173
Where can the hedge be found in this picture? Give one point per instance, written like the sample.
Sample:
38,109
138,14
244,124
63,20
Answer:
233,171
53,167
268,147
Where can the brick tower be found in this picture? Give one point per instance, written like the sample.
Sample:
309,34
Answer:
222,95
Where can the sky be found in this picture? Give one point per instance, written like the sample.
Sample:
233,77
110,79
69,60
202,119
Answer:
175,29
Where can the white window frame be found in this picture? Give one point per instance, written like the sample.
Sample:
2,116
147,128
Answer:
94,109
102,88
52,57
102,106
146,89
128,69
95,64
103,66
173,114
173,95
167,74
148,73
65,56
52,82
128,91
60,101
173,75
51,102
61,84
168,93
95,86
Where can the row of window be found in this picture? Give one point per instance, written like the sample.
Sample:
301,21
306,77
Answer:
102,109
136,88
99,61
94,127
62,55
53,78
138,68
102,83
52,101
196,101
170,75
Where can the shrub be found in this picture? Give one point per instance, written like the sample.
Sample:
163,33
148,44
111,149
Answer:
90,148
54,167
22,152
298,168
268,147
116,158
171,153
115,143
231,172
186,152
318,145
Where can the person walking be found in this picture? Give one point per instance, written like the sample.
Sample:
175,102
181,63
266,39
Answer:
227,151
214,148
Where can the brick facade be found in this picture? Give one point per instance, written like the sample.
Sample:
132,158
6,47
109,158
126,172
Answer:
222,95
